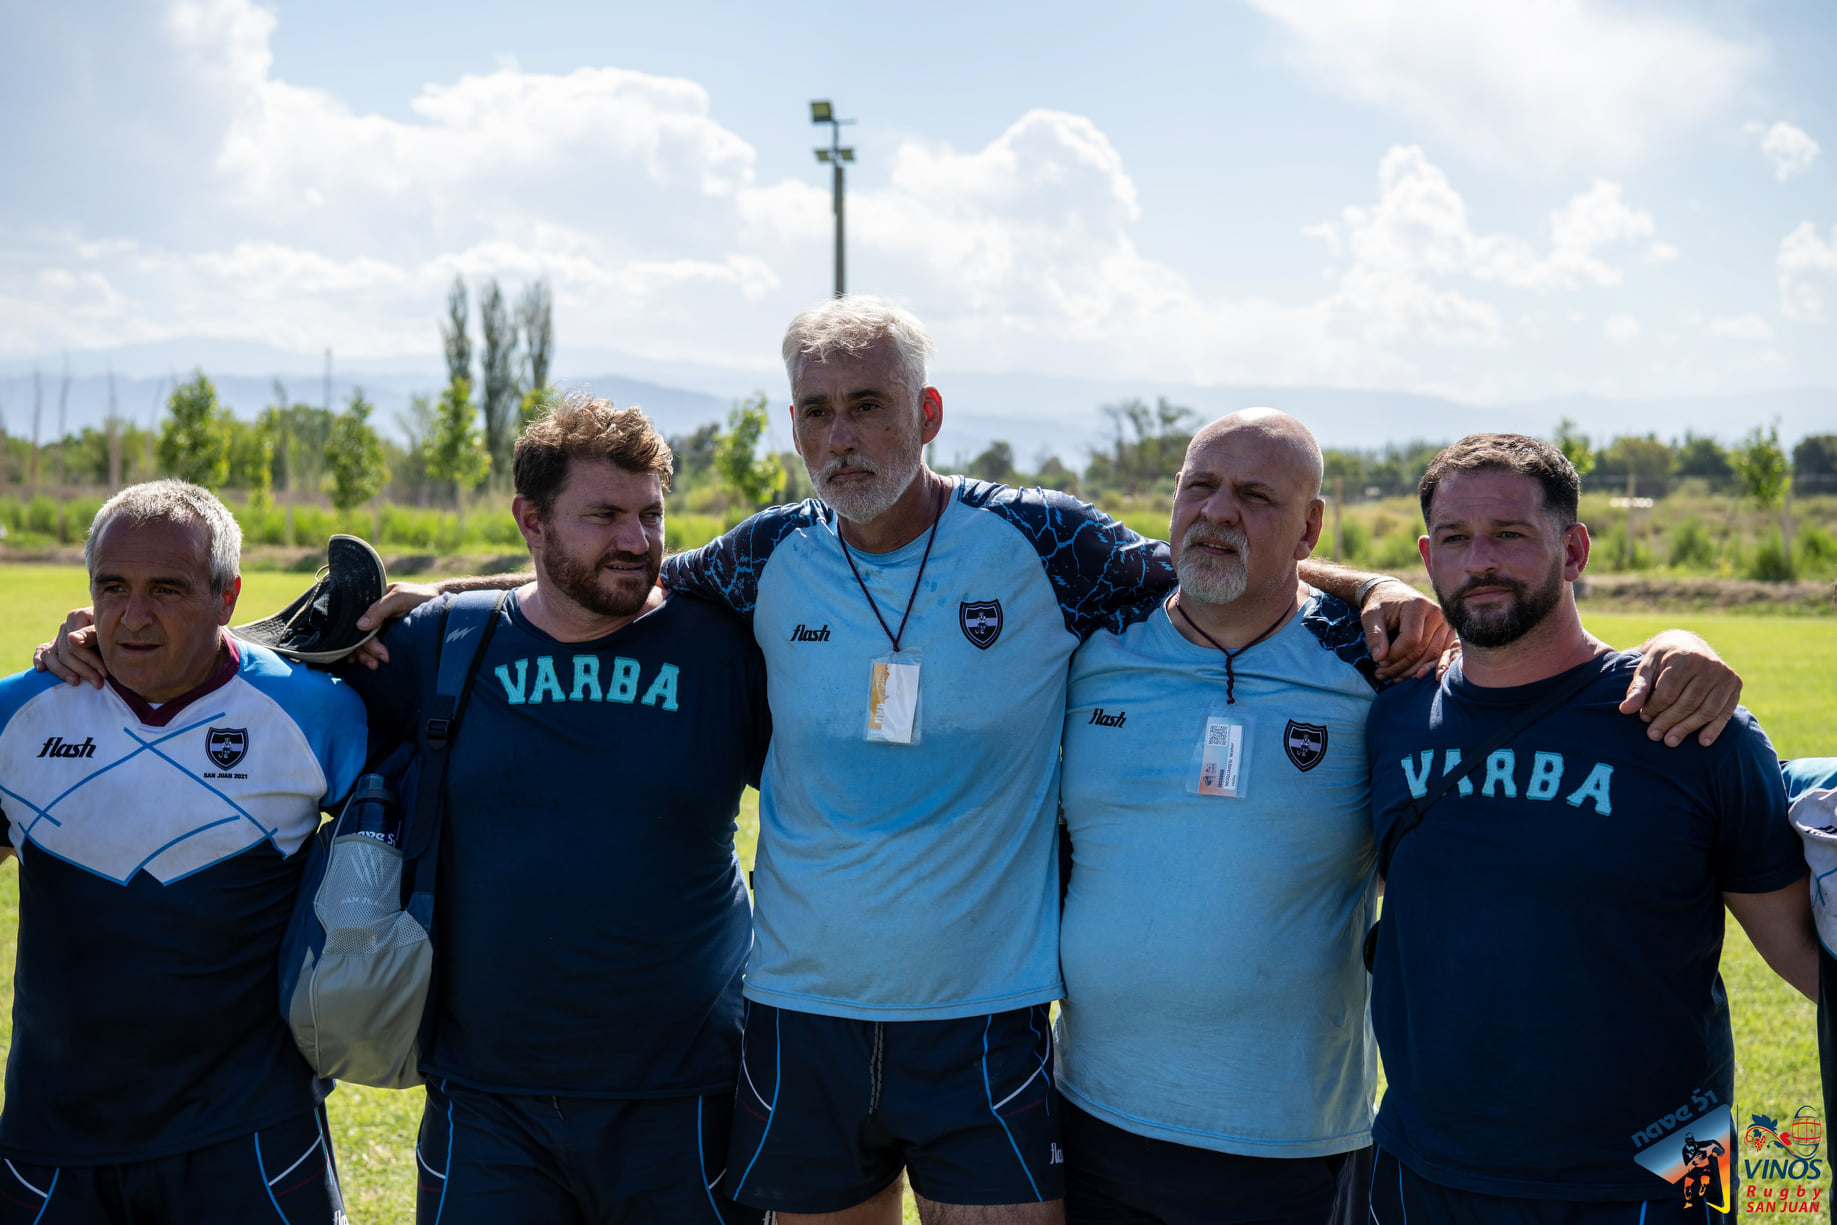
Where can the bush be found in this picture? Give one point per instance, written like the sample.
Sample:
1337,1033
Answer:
41,515
1768,561
1815,548
1691,547
1609,552
1396,553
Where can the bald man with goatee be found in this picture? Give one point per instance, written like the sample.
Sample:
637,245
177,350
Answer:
1214,1048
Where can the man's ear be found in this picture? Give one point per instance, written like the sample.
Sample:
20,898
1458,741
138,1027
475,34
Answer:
931,413
230,594
529,520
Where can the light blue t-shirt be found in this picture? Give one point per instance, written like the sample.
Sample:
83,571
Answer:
918,881
1215,993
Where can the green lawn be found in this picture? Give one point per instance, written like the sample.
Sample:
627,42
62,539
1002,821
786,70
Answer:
1790,666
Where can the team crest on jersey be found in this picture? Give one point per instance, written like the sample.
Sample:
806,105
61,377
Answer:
981,621
1305,743
227,745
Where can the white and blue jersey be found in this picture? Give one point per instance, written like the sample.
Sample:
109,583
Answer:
1215,995
157,871
1545,991
918,881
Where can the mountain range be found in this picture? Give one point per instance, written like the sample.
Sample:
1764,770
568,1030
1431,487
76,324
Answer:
1038,415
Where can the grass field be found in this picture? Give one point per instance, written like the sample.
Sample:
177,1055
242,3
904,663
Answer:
1790,667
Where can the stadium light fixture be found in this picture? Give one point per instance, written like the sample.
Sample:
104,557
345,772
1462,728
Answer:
823,111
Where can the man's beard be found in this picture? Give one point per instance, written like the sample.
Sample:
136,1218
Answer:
1214,580
1495,627
865,501
582,582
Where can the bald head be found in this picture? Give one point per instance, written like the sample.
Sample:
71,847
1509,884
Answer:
1271,434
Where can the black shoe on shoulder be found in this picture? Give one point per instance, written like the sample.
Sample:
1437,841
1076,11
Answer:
321,625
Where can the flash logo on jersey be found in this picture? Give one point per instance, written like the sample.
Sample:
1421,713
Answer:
57,746
227,745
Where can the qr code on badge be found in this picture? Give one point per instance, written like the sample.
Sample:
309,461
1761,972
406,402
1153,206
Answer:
1219,733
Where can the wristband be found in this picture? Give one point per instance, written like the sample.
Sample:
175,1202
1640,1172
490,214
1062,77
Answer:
1365,588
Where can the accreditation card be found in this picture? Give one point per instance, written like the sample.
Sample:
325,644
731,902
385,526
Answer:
1219,764
893,698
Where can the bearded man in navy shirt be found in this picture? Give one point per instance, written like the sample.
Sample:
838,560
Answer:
1545,990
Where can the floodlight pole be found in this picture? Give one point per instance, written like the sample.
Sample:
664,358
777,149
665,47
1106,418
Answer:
835,155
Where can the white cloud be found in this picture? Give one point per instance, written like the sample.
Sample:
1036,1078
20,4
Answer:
1807,267
307,224
1622,329
1790,150
1554,82
1743,327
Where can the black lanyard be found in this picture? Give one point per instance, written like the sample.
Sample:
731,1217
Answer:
1230,676
911,599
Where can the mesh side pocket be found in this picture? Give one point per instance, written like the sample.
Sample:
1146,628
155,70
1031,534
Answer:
359,901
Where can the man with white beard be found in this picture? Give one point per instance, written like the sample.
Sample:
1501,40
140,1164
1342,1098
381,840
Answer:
916,630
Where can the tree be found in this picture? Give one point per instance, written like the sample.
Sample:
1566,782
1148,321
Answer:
694,455
1149,444
252,459
453,336
1815,456
455,447
356,455
1703,457
1575,447
194,445
536,320
498,364
1645,460
994,464
755,479
1760,467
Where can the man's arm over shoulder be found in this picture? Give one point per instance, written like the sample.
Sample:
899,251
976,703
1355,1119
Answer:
726,570
391,693
1103,572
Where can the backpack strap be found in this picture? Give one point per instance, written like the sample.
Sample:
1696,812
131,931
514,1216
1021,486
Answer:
1560,696
466,627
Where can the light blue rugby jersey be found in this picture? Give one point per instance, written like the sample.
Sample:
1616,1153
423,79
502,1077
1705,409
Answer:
1215,994
918,882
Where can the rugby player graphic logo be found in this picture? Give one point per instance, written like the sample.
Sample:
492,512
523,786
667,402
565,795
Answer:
981,621
227,745
1305,743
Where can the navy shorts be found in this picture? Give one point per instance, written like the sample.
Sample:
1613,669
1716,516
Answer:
1115,1177
830,1109
280,1173
1400,1196
499,1159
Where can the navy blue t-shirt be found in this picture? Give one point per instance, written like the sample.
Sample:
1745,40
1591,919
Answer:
591,923
1546,989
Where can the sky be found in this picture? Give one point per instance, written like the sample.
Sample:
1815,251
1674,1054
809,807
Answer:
1491,202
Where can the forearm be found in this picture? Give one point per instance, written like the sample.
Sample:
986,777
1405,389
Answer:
485,582
1341,582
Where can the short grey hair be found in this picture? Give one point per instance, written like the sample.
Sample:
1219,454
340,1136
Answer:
853,323
177,502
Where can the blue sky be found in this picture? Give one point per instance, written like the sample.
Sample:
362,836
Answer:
1495,202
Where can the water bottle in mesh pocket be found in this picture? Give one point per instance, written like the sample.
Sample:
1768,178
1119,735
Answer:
361,961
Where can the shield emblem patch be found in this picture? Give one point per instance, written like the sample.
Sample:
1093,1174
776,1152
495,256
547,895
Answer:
1306,744
227,745
981,621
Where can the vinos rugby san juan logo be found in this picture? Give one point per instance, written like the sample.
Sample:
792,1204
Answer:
1781,1166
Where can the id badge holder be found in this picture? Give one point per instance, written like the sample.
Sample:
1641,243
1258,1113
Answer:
1220,762
893,698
